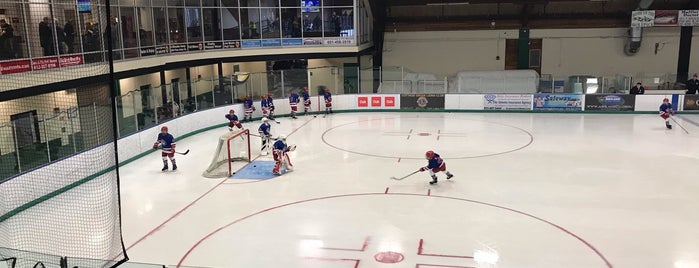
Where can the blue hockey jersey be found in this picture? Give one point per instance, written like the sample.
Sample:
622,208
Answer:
666,107
166,140
294,98
435,161
264,129
232,117
306,96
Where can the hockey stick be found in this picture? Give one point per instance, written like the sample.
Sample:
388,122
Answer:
677,123
185,152
394,178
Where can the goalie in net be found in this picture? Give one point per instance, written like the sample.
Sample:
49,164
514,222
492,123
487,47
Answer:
232,147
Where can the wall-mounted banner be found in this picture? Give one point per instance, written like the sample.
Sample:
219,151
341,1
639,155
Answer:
231,44
251,43
339,41
289,42
610,102
271,42
558,102
13,67
691,102
178,48
662,18
213,45
507,102
312,41
422,101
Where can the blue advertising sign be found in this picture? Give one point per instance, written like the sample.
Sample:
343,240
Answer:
287,42
271,42
251,43
558,102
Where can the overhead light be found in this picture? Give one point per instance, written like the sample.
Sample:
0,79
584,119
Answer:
448,4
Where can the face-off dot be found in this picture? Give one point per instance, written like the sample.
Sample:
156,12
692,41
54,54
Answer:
424,134
389,257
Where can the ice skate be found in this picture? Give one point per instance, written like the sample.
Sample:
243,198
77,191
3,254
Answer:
449,176
174,167
165,168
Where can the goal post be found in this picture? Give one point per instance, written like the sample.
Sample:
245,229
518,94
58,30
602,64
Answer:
232,147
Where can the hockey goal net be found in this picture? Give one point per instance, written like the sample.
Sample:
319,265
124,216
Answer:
232,147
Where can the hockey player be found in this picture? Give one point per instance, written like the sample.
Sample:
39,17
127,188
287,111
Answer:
293,102
328,101
233,120
270,103
280,156
249,108
265,134
666,111
167,142
306,101
264,105
435,164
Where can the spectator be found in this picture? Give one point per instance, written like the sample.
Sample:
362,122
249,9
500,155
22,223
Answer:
69,32
692,85
638,89
6,41
61,38
46,37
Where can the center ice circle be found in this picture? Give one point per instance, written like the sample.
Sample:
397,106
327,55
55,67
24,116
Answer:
342,229
410,137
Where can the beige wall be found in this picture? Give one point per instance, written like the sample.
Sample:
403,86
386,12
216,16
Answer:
174,74
565,52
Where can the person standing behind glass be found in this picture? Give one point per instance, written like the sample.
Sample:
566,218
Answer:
6,40
692,85
637,90
46,37
69,32
61,38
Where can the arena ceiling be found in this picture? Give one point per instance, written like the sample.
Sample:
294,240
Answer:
406,15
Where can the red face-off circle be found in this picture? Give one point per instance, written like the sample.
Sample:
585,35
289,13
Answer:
388,257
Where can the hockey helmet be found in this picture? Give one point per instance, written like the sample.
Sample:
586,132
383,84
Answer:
269,94
231,111
163,128
327,89
429,154
282,138
305,88
666,100
264,119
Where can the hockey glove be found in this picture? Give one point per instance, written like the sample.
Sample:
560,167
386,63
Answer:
423,169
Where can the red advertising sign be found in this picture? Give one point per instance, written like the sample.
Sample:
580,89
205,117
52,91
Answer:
44,63
390,101
362,101
70,60
375,101
13,67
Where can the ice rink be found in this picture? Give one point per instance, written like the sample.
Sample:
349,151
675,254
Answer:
530,190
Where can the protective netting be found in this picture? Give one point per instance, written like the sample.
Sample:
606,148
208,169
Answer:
59,195
233,146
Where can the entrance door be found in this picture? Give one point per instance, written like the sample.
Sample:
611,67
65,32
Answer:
351,79
26,128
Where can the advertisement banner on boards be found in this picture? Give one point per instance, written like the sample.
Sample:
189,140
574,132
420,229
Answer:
609,102
44,63
422,101
362,101
213,45
389,101
691,102
507,102
147,51
558,102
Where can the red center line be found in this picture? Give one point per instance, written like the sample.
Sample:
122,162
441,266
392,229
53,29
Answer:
398,159
385,192
439,265
428,192
356,261
419,252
